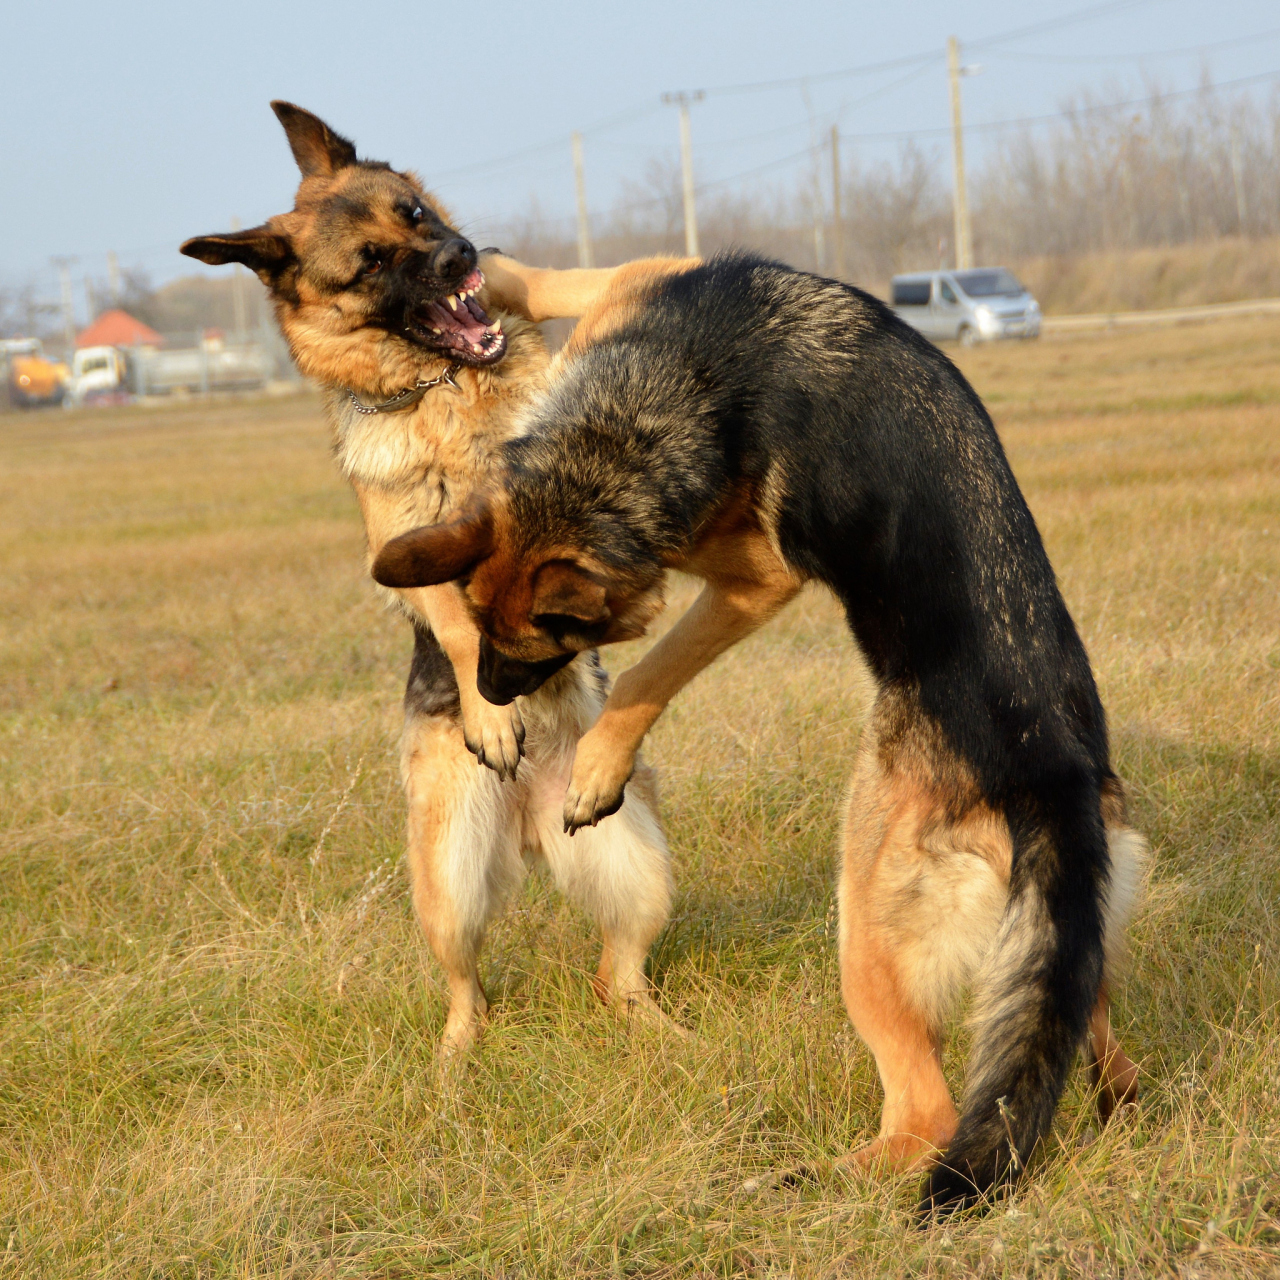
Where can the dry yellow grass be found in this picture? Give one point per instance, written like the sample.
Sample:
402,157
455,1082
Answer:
216,1055
1180,275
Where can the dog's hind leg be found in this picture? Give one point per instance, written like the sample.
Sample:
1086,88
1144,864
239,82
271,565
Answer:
1114,1073
919,904
619,871
464,859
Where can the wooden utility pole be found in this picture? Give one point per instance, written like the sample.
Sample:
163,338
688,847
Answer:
837,223
960,200
68,309
113,276
682,100
584,225
819,212
1237,180
237,292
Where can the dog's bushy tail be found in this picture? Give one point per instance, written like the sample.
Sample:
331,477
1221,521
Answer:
1034,996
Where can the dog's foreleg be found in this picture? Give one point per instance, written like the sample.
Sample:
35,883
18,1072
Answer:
725,612
494,735
602,296
538,293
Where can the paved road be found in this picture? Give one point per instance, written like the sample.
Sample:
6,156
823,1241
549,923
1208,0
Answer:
1175,315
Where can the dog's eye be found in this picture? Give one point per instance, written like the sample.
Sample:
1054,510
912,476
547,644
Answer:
373,266
418,213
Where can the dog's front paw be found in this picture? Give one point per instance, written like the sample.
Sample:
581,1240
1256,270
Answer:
598,784
494,735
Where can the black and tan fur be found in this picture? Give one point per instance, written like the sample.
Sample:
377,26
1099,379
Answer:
761,428
360,272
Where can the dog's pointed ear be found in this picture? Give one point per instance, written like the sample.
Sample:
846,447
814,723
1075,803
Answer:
318,150
261,249
436,553
565,589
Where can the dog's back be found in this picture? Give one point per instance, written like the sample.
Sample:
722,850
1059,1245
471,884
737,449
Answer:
877,471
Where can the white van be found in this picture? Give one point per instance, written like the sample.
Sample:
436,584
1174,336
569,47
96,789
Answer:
968,307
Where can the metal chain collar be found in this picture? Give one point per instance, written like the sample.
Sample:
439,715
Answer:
410,395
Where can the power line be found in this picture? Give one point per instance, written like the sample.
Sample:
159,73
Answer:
807,152
1072,113
917,71
929,55
990,125
890,64
1187,51
795,82
1055,24
629,116
829,117
847,106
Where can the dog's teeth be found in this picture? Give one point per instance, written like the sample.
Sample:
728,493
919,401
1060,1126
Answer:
435,330
496,326
453,302
477,348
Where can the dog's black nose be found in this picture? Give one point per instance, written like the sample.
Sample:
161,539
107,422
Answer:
454,259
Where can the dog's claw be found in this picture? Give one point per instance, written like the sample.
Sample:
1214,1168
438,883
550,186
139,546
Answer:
582,812
495,736
599,780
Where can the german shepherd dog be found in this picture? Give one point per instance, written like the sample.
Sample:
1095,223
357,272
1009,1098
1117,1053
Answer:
424,359
760,428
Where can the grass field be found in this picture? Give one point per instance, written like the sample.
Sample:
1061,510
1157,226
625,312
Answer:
217,1043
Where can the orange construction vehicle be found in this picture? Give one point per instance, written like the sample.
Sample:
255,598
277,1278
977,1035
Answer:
30,378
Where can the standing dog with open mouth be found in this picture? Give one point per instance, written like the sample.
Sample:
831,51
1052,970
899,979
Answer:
759,427
425,351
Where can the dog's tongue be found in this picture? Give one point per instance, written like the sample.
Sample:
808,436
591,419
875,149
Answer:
468,320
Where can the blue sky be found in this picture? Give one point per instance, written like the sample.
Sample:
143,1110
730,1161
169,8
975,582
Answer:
132,127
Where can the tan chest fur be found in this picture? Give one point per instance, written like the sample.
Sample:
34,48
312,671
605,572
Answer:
416,466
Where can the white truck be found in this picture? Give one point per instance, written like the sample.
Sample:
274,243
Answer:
111,374
98,374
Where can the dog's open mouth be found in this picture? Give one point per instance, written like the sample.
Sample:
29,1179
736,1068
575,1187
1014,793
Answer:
458,326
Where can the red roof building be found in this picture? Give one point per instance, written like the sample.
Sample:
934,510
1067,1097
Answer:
118,329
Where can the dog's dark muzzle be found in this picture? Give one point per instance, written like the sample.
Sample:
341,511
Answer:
455,325
502,680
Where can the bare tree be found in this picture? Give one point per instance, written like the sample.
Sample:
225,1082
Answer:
1115,176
